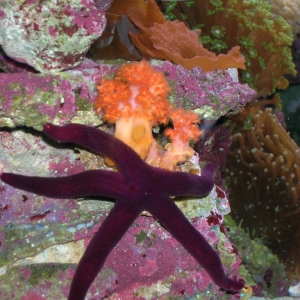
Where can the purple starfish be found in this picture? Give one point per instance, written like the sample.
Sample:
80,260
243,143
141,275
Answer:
137,187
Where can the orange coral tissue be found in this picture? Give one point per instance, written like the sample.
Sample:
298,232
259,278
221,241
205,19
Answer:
185,129
135,100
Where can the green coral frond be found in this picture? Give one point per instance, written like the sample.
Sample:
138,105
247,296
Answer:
205,40
262,63
169,15
189,3
216,3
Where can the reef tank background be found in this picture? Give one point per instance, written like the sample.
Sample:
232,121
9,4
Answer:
229,95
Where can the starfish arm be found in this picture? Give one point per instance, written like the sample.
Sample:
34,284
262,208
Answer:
185,233
126,159
88,183
110,233
186,184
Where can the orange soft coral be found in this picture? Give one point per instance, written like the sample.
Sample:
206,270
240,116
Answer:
135,100
186,128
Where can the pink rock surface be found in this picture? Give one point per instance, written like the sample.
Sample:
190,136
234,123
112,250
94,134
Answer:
50,35
147,263
34,99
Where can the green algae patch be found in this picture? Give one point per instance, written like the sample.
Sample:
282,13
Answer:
140,237
33,99
48,281
258,261
228,257
46,272
84,104
27,240
28,281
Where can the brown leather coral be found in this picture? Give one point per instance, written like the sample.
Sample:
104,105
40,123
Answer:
119,7
263,38
175,42
144,20
263,175
182,46
115,42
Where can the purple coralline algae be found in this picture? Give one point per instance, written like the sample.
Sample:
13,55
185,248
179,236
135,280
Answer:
214,147
35,99
210,95
159,266
50,35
